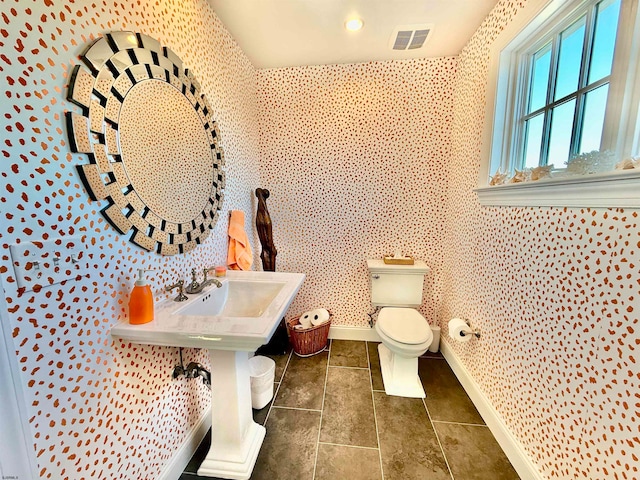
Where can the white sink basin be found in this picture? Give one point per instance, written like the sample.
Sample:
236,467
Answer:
240,315
238,298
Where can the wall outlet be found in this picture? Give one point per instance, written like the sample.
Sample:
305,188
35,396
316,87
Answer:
39,264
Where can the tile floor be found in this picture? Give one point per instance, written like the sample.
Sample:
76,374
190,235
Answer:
330,419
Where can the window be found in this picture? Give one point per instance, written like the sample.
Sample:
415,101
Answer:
567,88
566,80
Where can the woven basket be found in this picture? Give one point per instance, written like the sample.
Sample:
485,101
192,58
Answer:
311,341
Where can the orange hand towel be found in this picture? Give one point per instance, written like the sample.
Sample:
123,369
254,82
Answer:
240,256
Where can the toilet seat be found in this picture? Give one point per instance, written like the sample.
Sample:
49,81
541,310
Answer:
404,325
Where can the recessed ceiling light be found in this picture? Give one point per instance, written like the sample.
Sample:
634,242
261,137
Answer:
354,24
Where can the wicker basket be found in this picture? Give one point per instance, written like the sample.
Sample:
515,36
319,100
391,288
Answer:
310,341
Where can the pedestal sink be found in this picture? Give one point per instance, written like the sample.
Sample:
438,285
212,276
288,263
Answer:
230,322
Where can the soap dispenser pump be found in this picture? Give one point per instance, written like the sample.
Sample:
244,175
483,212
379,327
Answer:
141,301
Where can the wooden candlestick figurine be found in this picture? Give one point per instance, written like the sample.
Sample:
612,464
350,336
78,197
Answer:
263,225
279,343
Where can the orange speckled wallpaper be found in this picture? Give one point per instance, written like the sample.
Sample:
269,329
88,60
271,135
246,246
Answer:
356,159
556,294
99,408
361,160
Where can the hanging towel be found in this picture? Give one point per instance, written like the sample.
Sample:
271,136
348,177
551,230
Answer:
240,256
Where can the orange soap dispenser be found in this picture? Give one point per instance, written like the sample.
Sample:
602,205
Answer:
141,301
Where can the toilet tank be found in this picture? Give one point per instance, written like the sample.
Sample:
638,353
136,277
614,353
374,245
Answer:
396,285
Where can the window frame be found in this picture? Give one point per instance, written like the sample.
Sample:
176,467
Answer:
538,20
552,37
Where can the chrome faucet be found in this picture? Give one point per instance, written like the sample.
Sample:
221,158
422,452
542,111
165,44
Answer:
194,286
197,287
180,286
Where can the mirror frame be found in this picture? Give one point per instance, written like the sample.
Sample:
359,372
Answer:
116,62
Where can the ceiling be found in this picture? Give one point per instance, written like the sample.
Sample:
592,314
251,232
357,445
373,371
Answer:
288,33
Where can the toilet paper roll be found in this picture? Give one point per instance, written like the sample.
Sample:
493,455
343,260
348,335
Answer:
305,319
456,328
319,316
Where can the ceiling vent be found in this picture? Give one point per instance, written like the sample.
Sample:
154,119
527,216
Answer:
410,37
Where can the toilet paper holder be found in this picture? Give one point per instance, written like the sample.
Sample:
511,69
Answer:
464,333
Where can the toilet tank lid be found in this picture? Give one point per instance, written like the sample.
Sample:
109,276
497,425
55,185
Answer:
378,265
404,325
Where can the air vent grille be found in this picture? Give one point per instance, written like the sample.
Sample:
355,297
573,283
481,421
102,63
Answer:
419,37
410,37
402,40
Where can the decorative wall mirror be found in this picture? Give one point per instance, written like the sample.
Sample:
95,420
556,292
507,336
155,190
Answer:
152,144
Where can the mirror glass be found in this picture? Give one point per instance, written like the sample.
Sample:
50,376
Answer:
167,158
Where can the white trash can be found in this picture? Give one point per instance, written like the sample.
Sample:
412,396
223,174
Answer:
435,343
263,372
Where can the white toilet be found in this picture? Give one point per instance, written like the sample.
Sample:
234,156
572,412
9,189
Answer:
404,332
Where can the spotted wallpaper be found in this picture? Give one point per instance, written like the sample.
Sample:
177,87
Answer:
555,292
361,160
99,408
356,159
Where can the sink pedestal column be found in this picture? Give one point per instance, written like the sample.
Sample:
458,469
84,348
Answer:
235,438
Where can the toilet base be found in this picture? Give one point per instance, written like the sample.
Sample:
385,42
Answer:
400,374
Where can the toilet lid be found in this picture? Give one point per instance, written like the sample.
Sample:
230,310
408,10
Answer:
404,325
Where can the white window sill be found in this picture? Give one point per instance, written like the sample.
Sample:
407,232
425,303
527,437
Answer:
610,189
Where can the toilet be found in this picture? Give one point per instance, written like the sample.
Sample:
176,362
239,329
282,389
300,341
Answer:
404,332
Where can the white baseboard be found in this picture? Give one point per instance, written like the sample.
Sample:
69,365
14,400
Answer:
512,447
176,465
364,334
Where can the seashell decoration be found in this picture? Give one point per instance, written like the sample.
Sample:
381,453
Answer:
628,164
520,176
498,178
583,164
538,173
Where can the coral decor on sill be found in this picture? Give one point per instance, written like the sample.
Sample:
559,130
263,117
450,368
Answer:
583,164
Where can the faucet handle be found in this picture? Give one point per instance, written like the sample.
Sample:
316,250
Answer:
180,286
206,271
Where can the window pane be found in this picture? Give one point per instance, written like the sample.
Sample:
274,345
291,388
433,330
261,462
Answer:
571,41
539,78
605,39
561,126
595,104
533,140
